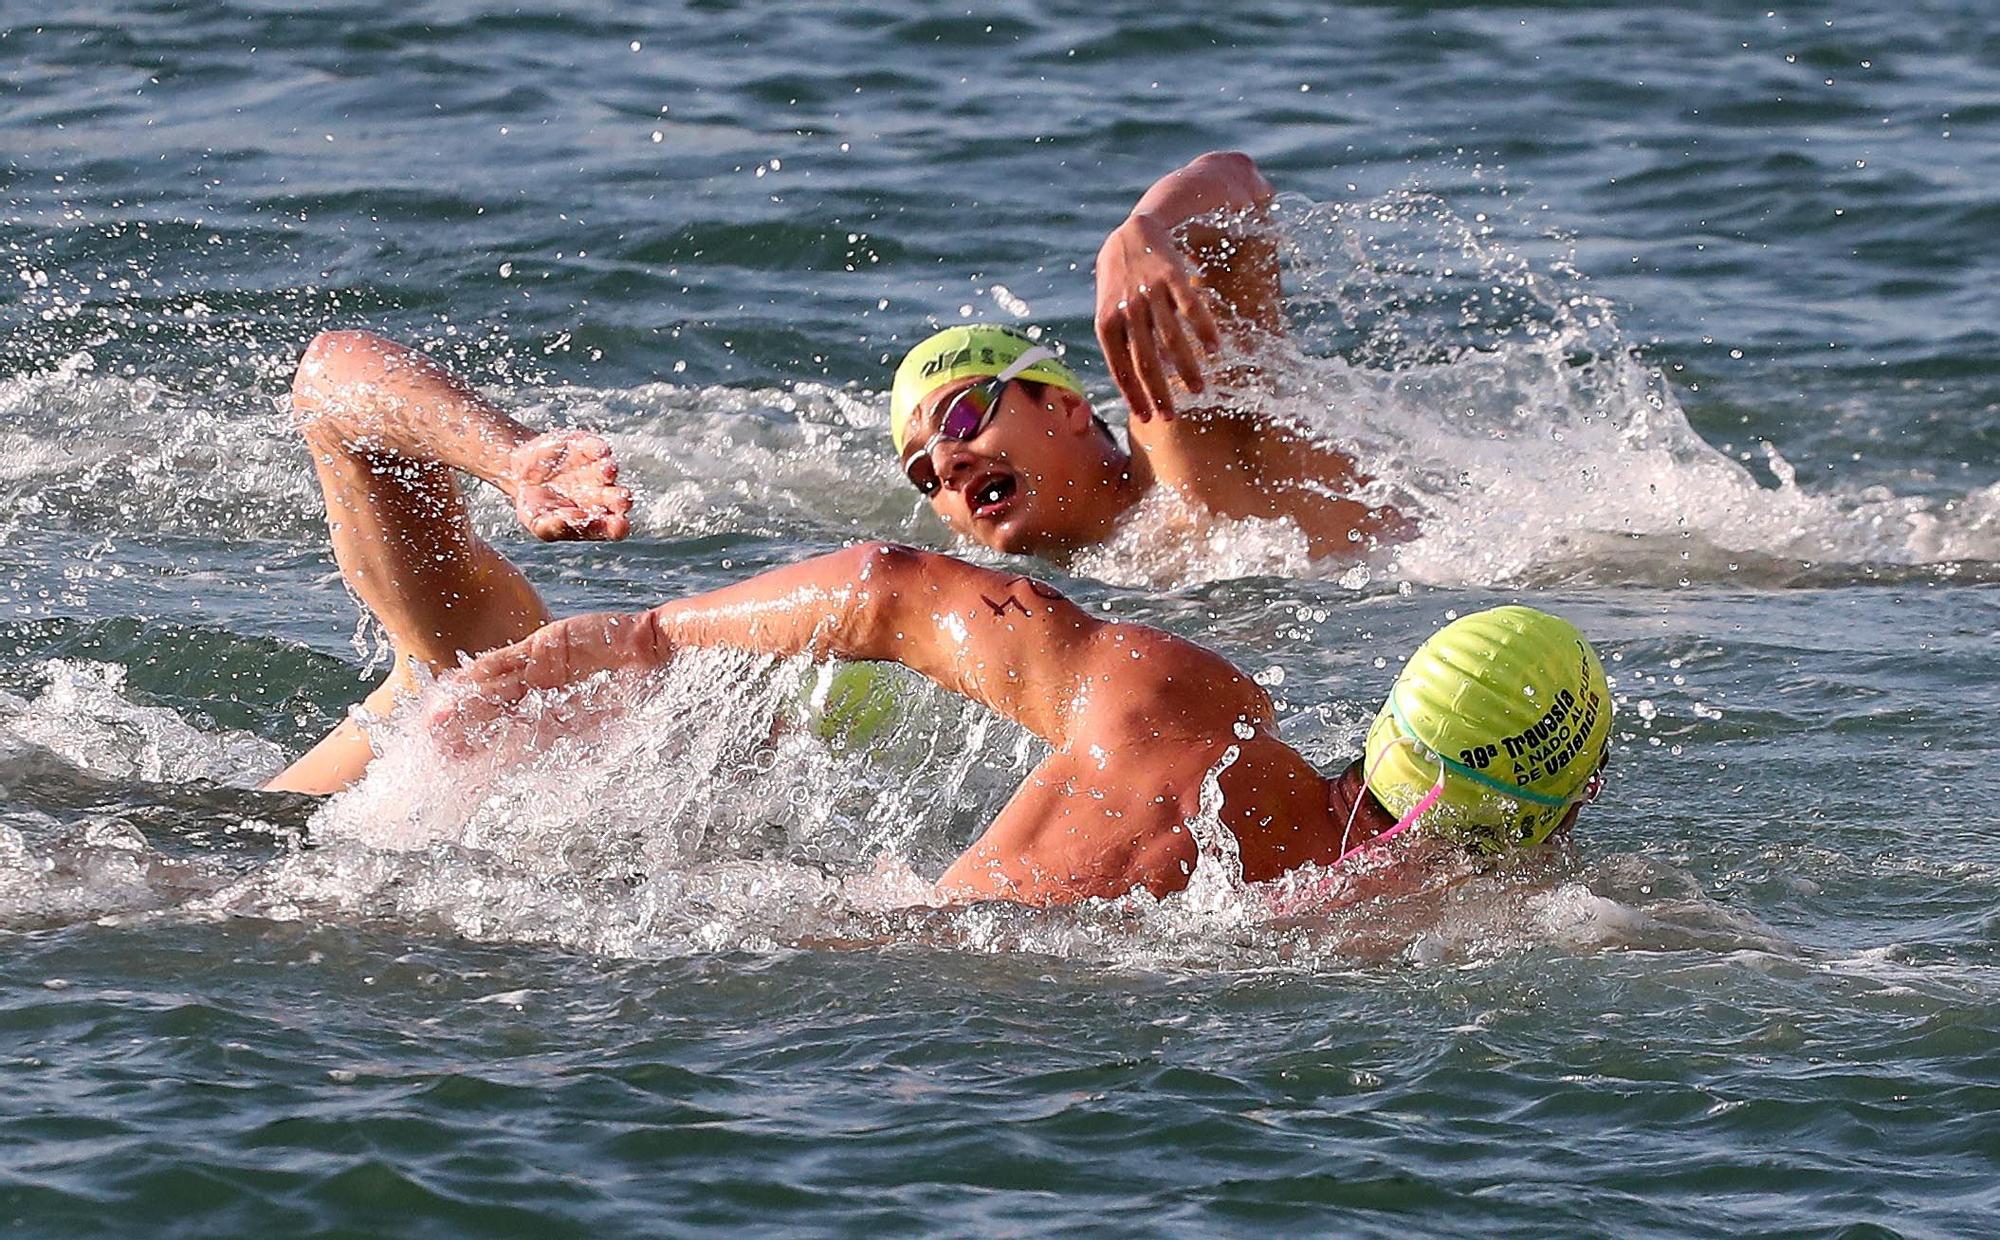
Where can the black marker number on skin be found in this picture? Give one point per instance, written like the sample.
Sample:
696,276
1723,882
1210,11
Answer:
1046,593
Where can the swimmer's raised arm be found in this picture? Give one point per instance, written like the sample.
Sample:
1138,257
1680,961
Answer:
1156,291
1168,273
368,395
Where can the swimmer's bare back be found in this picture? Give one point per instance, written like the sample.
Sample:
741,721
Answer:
1137,718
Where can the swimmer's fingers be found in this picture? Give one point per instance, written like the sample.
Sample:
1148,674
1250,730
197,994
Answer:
1145,350
457,721
565,488
589,473
560,654
553,523
1151,311
1192,300
1130,264
1114,336
1167,321
576,523
546,673
476,697
574,513
491,687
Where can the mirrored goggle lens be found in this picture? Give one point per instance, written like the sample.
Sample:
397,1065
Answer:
963,419
967,415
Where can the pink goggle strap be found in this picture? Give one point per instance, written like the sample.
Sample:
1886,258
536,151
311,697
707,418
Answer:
1402,824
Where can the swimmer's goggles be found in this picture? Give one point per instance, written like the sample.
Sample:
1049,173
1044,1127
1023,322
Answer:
969,413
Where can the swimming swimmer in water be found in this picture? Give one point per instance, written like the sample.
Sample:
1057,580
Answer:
1492,736
995,431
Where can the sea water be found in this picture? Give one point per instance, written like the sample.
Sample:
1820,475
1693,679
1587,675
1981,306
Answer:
1676,322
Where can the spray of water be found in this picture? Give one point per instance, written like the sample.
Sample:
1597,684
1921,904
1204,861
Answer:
700,811
1501,405
1495,401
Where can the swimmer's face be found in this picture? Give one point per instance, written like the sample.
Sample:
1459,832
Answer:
1032,481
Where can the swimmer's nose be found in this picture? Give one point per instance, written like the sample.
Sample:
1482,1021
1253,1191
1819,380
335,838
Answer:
955,463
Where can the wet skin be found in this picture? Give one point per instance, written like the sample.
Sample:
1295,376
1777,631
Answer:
1041,478
1189,270
1136,718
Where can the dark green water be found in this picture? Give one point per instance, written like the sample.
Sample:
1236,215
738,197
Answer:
1678,322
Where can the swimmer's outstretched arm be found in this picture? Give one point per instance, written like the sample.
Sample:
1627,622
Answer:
1113,700
1004,640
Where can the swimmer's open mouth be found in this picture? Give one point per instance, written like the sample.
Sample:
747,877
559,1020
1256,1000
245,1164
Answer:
992,497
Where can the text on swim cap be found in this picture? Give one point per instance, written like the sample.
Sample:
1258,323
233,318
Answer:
1553,741
1479,756
956,358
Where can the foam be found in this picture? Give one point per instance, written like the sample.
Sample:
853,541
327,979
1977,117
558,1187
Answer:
672,830
84,716
682,831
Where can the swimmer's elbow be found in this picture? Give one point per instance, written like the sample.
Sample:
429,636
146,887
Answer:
1232,161
346,340
1237,168
337,355
336,362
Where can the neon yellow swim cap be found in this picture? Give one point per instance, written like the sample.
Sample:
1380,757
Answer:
976,350
1513,704
850,705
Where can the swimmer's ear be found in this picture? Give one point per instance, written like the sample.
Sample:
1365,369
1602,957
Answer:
1072,409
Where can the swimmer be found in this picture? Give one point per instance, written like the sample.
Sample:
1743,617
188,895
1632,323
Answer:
995,431
1492,737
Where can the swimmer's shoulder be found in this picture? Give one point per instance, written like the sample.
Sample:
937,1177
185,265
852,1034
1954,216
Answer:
1144,685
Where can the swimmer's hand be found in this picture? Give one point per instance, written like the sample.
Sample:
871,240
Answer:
553,658
564,485
1150,301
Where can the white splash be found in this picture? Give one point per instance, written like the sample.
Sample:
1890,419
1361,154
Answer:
85,716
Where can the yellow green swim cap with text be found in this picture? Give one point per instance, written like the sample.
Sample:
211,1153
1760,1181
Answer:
1512,703
972,351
